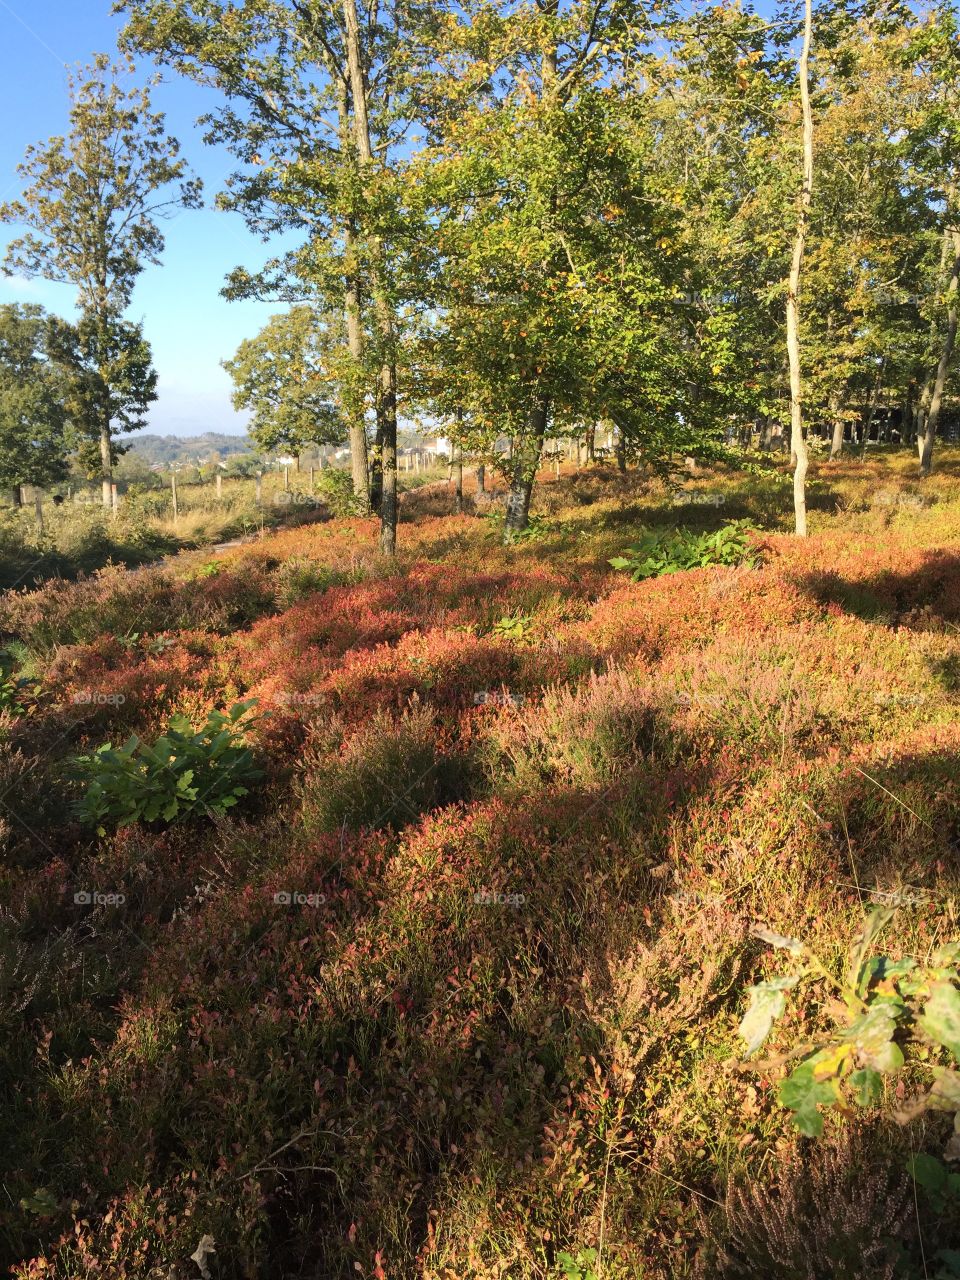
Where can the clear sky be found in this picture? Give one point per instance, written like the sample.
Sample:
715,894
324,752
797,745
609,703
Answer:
190,327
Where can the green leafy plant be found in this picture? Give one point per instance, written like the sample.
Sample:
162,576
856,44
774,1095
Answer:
941,1189
662,551
581,1267
336,489
186,771
513,627
877,1008
209,569
13,686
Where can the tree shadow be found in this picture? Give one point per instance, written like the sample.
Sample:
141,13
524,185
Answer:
917,598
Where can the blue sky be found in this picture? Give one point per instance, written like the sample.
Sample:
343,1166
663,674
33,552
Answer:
190,327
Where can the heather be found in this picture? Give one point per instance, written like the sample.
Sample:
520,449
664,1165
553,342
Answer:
453,989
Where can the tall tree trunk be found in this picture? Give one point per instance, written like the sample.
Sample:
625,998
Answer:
836,443
591,440
871,409
106,466
389,507
382,308
524,465
481,477
839,425
457,460
798,445
932,416
359,471
375,462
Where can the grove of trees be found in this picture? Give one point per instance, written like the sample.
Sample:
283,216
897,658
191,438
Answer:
691,225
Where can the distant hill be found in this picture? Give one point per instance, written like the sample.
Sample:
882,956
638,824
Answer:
166,449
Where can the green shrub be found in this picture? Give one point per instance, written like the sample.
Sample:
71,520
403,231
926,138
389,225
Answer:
297,579
883,1003
186,771
662,551
336,488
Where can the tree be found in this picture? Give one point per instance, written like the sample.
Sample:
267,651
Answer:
798,444
91,206
314,113
110,378
286,377
34,437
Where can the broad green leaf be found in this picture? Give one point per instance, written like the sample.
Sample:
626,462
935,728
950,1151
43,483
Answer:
875,921
941,1016
872,1037
928,1172
767,1003
803,1094
945,1094
42,1202
867,1086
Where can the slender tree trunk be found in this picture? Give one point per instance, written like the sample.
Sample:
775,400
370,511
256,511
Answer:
375,462
932,416
359,469
798,445
106,466
591,443
838,431
481,477
871,409
389,509
382,308
457,461
524,465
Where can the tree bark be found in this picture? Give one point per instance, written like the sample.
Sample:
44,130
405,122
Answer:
836,443
457,461
932,417
382,310
481,477
798,445
389,507
106,466
375,462
525,462
359,468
